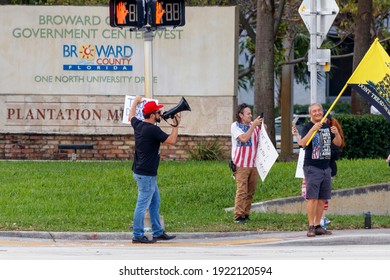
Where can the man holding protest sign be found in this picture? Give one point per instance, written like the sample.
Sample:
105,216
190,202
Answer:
148,137
245,140
316,167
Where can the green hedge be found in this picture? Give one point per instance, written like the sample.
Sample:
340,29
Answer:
366,136
341,108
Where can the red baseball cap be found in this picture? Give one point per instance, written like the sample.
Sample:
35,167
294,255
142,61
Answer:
151,107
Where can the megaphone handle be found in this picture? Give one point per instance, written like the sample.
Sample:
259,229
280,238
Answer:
173,125
177,118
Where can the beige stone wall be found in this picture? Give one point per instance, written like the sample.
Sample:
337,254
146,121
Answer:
103,114
44,52
49,97
37,94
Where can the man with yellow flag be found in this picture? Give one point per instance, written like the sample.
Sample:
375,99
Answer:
371,79
316,167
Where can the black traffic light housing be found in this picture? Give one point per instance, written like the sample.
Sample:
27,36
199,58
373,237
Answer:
127,13
147,13
167,13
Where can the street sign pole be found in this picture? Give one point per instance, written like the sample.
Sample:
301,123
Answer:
313,52
318,16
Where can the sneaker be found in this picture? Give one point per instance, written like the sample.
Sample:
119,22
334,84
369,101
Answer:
163,236
240,220
325,222
319,230
311,232
142,239
246,218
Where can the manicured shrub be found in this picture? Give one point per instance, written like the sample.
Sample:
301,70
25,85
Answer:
366,136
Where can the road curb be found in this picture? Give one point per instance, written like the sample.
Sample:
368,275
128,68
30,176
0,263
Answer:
339,237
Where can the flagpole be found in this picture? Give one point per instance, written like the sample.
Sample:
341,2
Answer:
328,112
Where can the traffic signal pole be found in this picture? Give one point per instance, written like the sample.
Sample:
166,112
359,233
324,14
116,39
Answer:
148,61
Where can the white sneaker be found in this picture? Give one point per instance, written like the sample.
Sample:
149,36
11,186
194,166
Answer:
325,222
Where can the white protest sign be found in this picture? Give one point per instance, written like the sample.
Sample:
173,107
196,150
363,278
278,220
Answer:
266,154
301,158
126,108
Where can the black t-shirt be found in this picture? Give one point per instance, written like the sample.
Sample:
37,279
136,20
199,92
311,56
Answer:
147,147
318,152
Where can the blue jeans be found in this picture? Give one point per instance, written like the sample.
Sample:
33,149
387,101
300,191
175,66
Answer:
148,198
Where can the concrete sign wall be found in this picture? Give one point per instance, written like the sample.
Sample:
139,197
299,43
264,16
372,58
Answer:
68,71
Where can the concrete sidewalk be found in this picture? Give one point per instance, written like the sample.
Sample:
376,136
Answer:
339,237
352,201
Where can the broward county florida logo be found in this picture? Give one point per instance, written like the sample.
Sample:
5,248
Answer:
89,57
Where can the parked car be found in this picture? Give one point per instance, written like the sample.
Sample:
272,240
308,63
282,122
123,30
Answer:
300,121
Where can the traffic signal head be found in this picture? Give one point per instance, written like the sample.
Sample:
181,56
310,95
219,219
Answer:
127,13
167,13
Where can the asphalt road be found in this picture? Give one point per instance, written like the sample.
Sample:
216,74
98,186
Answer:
240,255
344,244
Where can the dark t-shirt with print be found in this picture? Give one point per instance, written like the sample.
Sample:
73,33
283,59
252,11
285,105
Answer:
318,152
147,147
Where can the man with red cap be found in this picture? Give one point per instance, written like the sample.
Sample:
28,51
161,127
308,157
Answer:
148,137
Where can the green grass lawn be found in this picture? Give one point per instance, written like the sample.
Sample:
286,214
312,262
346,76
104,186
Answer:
101,196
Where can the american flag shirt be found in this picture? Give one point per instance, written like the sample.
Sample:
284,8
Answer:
244,154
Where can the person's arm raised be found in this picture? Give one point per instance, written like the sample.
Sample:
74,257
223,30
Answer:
133,108
172,138
247,135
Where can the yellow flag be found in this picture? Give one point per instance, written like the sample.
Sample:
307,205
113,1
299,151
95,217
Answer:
371,78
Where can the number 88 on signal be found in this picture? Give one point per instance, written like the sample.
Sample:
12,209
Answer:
141,13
